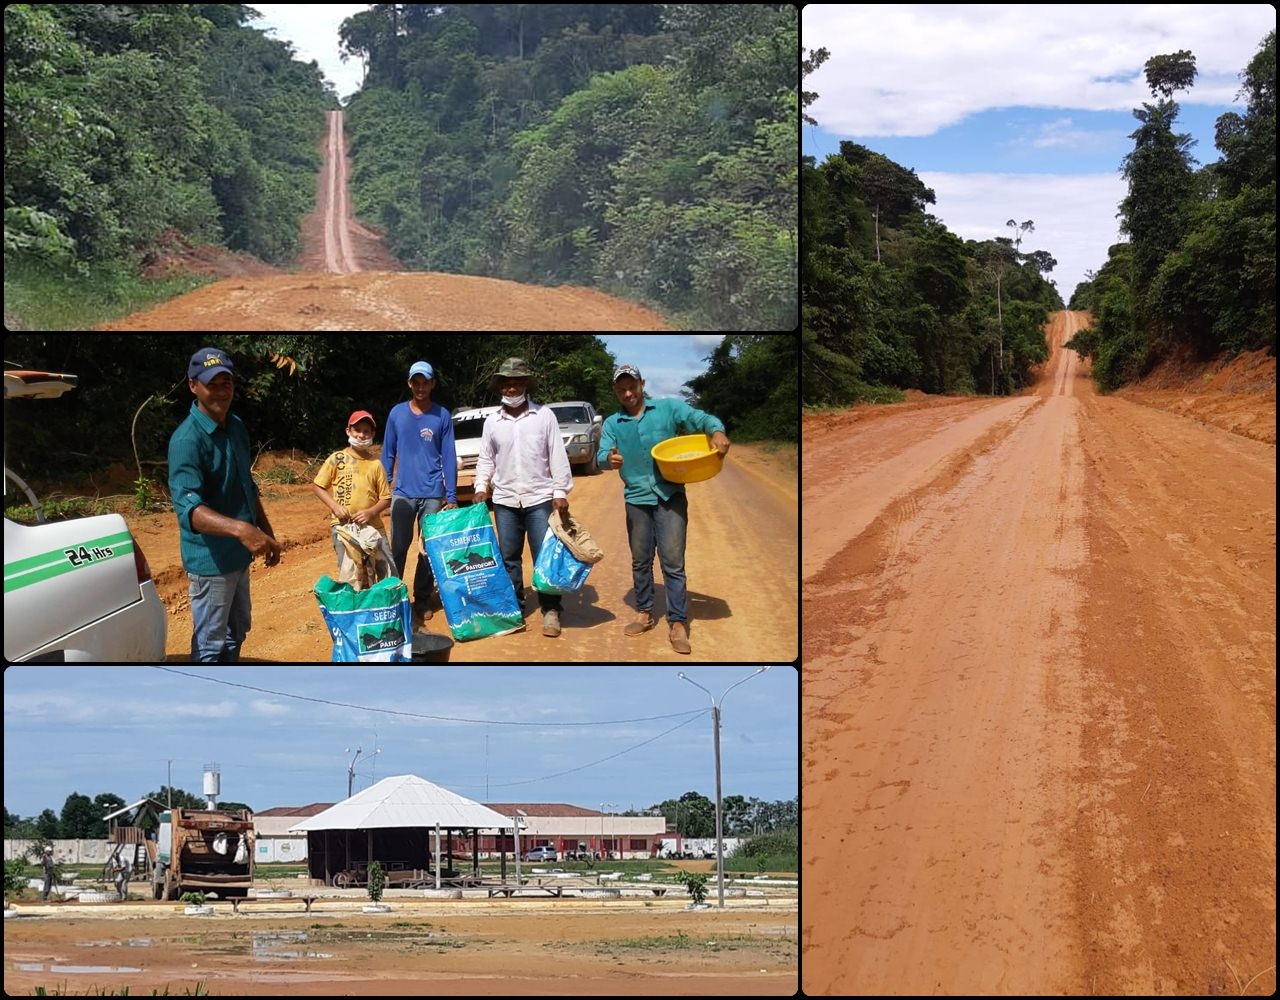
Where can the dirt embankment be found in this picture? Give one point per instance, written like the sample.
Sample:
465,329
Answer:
1039,698
740,560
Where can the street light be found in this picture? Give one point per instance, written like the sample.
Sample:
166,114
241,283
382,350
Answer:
351,768
611,805
715,723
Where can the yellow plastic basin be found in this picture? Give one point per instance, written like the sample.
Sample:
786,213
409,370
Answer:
688,459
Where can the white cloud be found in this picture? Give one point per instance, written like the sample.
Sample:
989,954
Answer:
1075,215
313,30
910,70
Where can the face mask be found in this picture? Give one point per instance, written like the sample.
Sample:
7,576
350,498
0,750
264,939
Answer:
360,443
513,401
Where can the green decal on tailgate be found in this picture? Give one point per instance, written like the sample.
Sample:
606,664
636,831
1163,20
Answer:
36,569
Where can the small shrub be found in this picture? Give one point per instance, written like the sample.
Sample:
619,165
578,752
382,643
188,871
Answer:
377,882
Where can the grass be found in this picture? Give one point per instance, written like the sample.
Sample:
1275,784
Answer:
39,297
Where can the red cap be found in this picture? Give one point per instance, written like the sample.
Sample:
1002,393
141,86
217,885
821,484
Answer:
361,415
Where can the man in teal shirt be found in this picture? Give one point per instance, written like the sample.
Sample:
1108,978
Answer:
657,509
220,515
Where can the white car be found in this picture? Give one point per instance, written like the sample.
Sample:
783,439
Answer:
77,591
468,427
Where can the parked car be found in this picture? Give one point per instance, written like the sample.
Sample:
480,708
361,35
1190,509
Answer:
580,428
468,426
77,591
544,853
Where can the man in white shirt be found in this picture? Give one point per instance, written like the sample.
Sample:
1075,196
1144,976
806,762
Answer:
522,458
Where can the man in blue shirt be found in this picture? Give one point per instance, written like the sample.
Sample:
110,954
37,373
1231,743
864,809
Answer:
220,517
424,480
657,509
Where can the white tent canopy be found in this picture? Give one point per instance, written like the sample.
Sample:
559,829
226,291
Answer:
405,801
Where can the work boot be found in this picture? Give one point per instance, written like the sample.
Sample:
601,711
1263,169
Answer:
644,621
551,623
680,637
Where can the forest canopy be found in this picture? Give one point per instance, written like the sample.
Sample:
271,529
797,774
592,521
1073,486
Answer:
893,300
645,149
1198,274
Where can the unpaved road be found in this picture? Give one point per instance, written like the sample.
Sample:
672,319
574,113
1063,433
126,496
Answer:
741,563
330,293
1038,698
339,257
521,947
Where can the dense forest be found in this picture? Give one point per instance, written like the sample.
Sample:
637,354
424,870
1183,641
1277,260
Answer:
1198,274
893,300
124,121
646,149
297,390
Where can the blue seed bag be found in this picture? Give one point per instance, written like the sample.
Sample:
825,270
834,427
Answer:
373,625
556,570
475,591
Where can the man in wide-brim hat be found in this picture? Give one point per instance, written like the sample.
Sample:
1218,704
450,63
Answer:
523,463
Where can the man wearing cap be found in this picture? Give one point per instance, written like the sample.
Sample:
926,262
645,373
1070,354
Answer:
657,509
352,483
522,458
220,517
418,456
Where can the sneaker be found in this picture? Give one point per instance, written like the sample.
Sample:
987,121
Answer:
551,624
644,621
680,638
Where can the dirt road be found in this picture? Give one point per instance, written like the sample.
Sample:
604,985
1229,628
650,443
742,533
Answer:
1038,698
338,254
523,947
348,281
741,565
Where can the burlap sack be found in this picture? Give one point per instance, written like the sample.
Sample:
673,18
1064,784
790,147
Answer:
576,538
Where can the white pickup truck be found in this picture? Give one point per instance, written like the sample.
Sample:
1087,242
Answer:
77,591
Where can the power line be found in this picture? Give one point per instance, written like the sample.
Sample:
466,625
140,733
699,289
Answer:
420,715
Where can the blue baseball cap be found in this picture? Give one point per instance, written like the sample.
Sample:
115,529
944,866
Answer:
208,362
423,369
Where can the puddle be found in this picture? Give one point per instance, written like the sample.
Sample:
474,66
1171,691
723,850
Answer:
280,946
74,969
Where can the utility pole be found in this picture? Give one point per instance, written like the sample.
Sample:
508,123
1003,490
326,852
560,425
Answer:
715,722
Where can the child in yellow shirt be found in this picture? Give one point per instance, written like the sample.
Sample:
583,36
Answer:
352,483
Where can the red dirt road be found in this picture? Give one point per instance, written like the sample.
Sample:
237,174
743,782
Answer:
1039,698
740,560
347,284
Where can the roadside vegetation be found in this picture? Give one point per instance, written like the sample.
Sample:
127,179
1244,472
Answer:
893,300
125,123
1198,274
644,149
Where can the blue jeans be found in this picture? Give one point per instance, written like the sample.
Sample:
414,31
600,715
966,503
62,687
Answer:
662,526
406,520
220,616
513,524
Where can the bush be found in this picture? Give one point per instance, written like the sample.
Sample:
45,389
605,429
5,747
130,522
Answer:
377,882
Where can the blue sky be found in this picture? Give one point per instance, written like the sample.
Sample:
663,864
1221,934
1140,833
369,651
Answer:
666,361
115,729
1020,111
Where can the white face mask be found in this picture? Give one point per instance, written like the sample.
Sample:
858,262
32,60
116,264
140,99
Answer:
360,443
513,401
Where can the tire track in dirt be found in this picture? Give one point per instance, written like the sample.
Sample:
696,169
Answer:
941,702
1039,705
338,254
